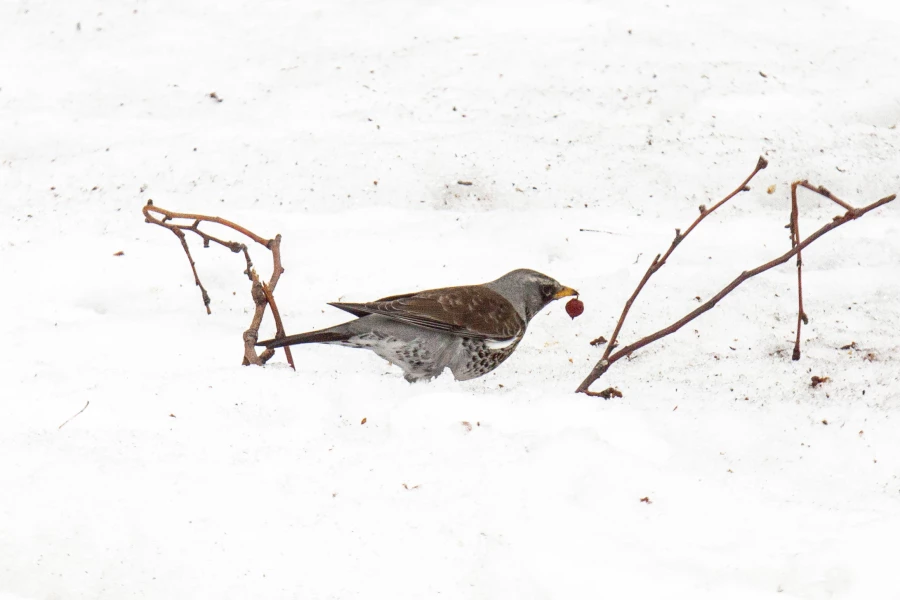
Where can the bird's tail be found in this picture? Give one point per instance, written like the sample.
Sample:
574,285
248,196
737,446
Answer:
322,336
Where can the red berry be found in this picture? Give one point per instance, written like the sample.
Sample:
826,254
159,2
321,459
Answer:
574,307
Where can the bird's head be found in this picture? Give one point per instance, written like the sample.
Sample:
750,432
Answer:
529,291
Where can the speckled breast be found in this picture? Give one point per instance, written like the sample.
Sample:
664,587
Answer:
480,358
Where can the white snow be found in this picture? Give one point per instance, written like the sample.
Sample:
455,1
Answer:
189,476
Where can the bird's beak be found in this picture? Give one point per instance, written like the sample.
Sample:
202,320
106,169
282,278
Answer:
566,291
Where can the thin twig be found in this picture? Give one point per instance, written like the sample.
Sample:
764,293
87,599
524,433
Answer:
261,301
802,318
660,260
178,232
795,240
262,294
75,415
168,214
603,365
279,327
178,229
823,191
600,231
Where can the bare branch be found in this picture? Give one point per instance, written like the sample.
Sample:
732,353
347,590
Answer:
797,246
262,293
795,240
660,260
279,327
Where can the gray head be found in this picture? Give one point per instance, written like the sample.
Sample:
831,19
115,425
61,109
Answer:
529,291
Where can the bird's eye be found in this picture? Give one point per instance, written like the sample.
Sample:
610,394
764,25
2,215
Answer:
547,291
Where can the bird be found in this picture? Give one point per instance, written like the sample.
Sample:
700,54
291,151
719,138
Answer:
469,329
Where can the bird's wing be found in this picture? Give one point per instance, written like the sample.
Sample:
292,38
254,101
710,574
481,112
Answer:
467,311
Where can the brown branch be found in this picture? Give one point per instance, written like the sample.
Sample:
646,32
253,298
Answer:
279,327
168,214
822,190
187,251
795,240
261,293
802,318
660,260
852,213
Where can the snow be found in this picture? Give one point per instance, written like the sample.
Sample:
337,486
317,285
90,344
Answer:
189,476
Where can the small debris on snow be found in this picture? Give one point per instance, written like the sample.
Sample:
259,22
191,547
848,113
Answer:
817,381
610,392
86,404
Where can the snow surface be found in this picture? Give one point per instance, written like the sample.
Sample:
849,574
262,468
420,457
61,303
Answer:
189,476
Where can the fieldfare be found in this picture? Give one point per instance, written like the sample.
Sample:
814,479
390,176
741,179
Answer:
471,329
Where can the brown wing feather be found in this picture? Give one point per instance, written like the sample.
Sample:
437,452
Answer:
468,311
